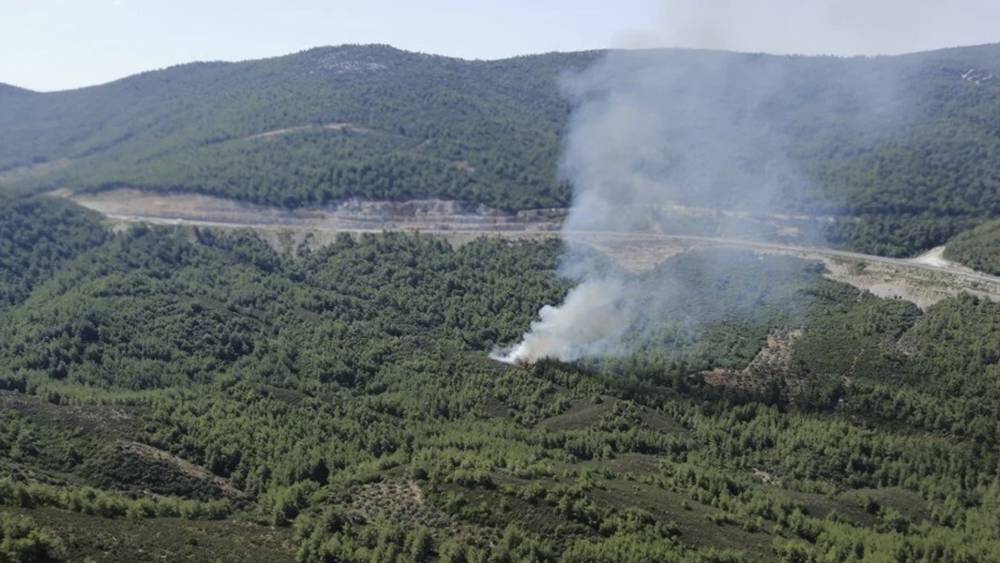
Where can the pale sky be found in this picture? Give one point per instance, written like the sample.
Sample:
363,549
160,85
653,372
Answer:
58,44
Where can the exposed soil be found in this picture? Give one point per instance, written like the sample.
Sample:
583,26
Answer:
351,215
921,286
345,127
773,362
923,280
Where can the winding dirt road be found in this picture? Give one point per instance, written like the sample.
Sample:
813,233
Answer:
819,252
923,280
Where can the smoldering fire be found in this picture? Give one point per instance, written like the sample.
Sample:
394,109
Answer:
656,128
593,317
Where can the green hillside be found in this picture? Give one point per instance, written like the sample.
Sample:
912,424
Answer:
180,393
978,248
412,124
907,161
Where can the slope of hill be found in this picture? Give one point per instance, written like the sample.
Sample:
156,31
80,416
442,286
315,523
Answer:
907,171
978,248
311,127
189,394
8,91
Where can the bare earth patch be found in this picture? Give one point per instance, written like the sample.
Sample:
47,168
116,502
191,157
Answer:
351,215
922,287
345,127
924,280
773,362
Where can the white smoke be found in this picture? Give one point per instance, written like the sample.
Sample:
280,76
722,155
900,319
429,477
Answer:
592,318
655,129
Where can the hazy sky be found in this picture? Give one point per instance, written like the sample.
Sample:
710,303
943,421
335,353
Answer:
57,44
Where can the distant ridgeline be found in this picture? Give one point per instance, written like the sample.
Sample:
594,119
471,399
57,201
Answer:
910,170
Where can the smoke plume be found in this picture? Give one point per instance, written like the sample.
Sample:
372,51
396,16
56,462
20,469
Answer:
592,318
657,129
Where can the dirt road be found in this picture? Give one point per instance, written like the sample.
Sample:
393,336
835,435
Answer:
921,280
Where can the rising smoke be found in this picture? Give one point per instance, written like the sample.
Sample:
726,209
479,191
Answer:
590,321
656,129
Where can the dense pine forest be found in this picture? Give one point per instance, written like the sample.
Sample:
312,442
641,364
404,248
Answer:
904,163
192,393
173,393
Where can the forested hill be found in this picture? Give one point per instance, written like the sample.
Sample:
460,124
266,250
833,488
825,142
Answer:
375,122
177,394
310,127
10,93
8,90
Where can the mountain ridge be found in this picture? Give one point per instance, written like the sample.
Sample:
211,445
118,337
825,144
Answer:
311,51
390,47
412,125
10,89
